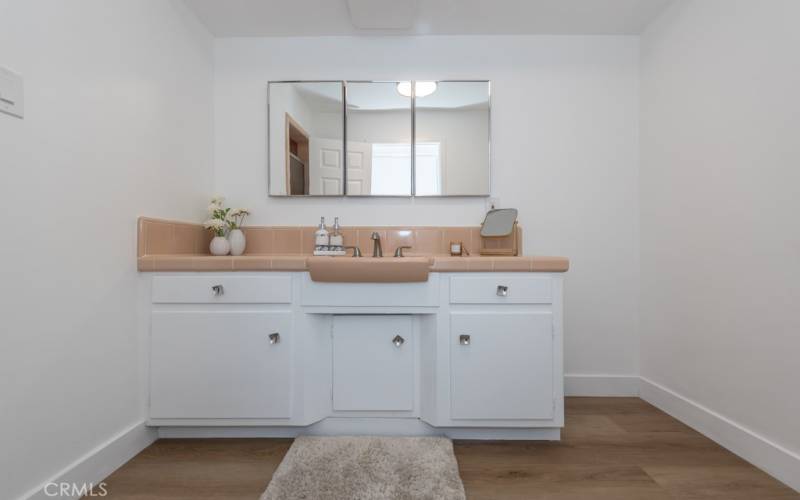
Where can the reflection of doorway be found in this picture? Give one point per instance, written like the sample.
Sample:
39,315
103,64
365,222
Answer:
297,174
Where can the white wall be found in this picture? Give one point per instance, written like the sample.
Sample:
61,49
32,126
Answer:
720,198
118,124
565,152
464,135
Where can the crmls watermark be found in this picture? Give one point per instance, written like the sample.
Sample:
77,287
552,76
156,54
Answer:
75,490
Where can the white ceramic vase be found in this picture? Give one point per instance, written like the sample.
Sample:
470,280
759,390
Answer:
219,246
238,242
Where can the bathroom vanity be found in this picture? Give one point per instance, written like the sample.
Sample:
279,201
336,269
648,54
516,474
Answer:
465,353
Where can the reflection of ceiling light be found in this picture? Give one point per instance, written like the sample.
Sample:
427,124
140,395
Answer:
404,88
421,89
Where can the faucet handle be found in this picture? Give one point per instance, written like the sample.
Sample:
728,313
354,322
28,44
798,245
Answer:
375,235
356,251
399,251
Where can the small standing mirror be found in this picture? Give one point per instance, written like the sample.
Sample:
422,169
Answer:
306,138
499,223
499,233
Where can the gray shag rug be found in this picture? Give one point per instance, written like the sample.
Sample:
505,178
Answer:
367,468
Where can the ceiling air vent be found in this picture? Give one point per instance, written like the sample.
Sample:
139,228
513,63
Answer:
382,14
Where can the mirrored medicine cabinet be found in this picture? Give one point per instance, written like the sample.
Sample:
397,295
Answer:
379,138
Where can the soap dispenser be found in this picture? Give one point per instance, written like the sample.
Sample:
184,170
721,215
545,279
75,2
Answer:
336,238
321,238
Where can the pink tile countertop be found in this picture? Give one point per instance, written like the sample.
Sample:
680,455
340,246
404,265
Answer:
180,246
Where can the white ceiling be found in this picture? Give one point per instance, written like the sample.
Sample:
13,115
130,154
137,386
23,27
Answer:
227,18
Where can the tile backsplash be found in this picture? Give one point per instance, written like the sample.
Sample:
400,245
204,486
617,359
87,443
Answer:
164,237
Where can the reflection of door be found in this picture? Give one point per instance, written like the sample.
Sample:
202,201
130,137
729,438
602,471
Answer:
326,166
296,157
359,168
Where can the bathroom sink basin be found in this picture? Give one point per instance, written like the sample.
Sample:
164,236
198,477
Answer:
369,269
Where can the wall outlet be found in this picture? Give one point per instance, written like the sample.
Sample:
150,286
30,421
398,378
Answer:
11,95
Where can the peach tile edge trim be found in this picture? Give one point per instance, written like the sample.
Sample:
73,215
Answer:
151,263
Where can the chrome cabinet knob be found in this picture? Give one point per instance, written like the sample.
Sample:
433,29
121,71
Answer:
218,290
502,291
398,341
274,338
464,339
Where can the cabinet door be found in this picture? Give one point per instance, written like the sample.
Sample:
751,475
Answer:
220,365
373,363
502,367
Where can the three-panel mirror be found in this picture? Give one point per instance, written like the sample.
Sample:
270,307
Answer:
392,138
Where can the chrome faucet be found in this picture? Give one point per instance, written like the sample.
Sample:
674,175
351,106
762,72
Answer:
377,251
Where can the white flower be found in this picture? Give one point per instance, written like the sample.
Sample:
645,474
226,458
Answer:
215,224
217,200
213,208
236,212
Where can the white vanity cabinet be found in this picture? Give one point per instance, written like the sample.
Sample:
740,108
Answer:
505,349
221,347
469,355
220,364
502,365
373,363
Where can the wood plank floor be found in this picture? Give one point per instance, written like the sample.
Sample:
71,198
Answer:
611,448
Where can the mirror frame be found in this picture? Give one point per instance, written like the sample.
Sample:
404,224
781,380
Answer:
413,141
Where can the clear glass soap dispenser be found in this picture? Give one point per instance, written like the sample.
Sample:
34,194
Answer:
321,237
336,237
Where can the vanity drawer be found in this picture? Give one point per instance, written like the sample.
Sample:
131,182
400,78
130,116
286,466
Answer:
222,289
501,288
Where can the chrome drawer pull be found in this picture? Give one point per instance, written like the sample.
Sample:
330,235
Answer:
398,341
218,290
502,291
464,339
274,338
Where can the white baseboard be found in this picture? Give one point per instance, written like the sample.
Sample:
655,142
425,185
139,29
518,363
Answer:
758,450
99,463
601,385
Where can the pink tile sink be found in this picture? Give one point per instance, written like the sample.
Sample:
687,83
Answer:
369,269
